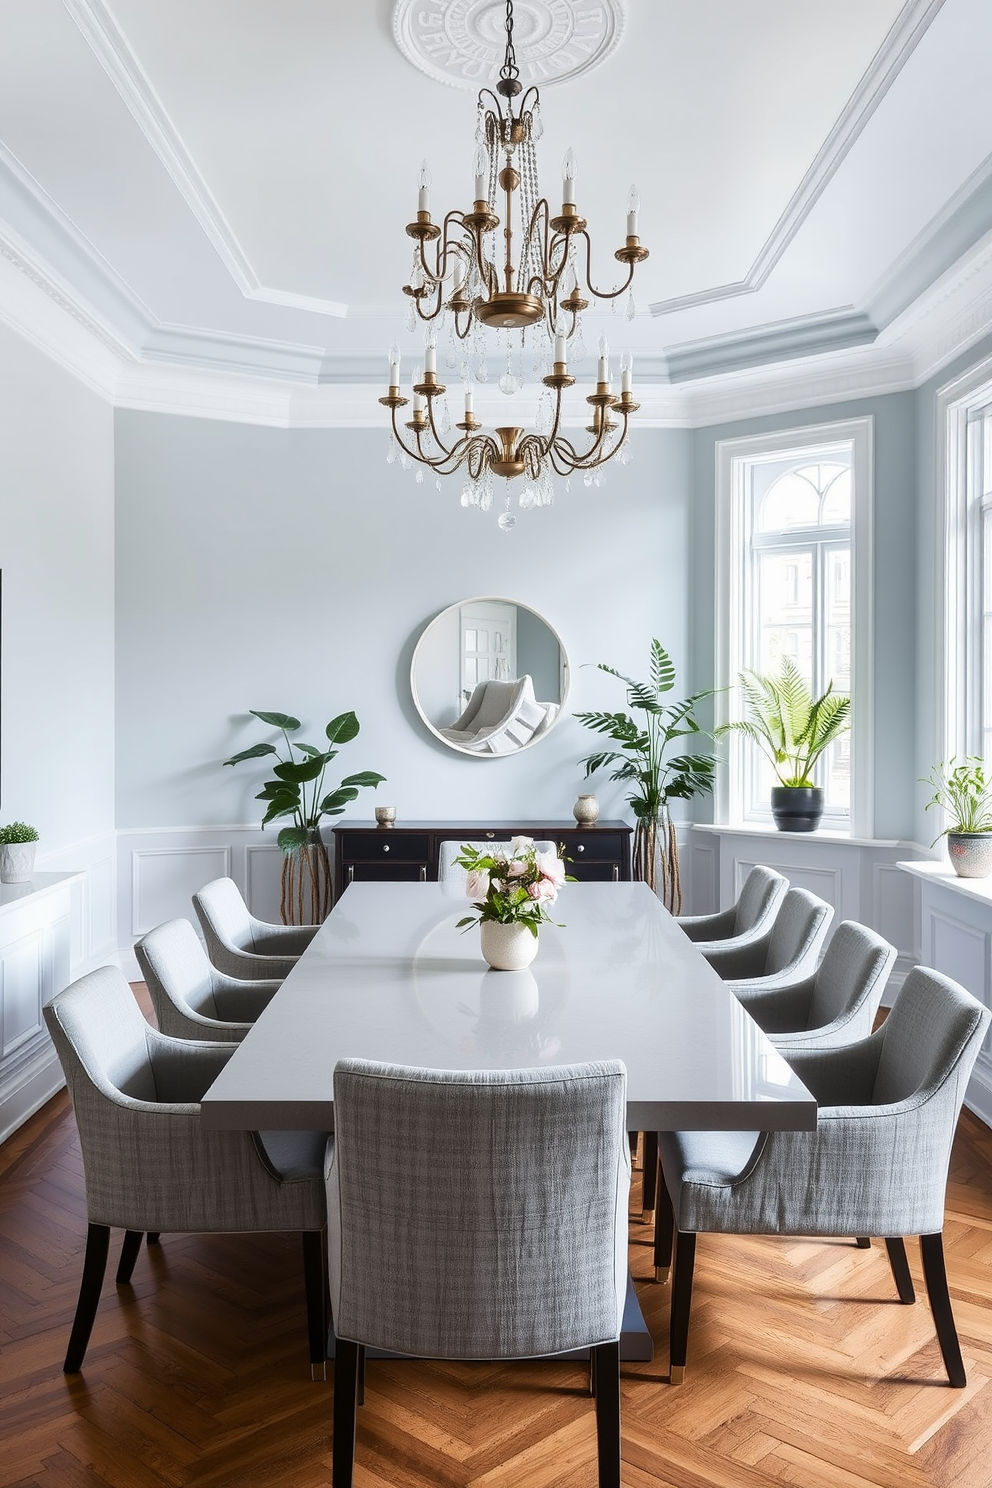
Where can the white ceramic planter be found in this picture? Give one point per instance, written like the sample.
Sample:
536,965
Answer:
17,862
586,810
507,947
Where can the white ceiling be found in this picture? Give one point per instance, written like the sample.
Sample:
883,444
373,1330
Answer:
223,184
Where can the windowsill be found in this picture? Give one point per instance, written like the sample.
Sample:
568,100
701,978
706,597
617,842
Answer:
939,871
827,835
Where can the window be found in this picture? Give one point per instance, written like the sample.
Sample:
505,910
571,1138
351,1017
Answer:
793,517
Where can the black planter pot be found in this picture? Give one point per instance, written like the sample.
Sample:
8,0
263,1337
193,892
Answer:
797,808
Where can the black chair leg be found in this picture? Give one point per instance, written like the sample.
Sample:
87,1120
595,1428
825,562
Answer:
153,1237
664,1234
932,1247
649,1183
129,1254
94,1266
346,1371
632,1140
605,1359
863,1242
900,1268
685,1255
315,1279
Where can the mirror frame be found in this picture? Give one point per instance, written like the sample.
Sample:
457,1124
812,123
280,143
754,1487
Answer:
564,665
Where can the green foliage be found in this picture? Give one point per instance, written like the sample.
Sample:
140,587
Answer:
965,792
640,759
17,832
513,883
789,725
304,766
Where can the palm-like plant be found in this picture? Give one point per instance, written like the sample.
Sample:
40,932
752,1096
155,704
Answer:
789,725
641,760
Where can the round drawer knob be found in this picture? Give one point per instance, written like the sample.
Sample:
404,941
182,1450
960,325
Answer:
490,834
580,847
385,847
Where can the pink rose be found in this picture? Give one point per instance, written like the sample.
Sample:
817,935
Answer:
551,866
516,869
477,883
544,890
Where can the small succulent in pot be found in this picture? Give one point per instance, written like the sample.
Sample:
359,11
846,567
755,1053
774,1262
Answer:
18,842
964,792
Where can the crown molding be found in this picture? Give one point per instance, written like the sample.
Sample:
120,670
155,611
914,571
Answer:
804,336
109,45
898,46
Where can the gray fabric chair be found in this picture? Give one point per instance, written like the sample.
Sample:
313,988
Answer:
151,1167
501,1232
747,922
191,998
835,1005
875,1165
238,944
788,952
449,872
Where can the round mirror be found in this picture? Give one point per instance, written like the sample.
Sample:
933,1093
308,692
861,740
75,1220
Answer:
489,677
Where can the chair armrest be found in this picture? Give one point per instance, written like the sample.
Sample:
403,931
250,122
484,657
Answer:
242,1002
281,940
782,1009
718,926
183,1069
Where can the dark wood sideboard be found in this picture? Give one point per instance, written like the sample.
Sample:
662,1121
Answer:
365,852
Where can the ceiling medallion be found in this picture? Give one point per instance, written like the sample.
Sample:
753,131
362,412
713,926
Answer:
461,41
465,281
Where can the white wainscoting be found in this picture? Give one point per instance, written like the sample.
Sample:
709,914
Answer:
860,878
159,870
956,938
93,894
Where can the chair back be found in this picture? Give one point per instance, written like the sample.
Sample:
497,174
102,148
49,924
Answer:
177,974
224,916
448,871
930,1040
851,979
478,1214
798,933
763,892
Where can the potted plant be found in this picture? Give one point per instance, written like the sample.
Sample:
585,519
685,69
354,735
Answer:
792,729
655,780
298,792
964,791
18,843
512,888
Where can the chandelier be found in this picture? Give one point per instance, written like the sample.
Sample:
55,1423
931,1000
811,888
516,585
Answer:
458,284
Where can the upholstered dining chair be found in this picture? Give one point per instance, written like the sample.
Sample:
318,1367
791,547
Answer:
835,1004
745,923
507,1243
450,872
875,1165
237,943
790,951
149,1165
191,998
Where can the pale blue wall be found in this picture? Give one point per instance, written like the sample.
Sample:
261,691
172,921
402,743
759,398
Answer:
294,570
895,495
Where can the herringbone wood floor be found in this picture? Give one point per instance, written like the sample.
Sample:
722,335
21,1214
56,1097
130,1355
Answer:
803,1369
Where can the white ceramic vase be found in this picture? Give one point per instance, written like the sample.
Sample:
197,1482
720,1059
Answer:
586,810
507,947
17,861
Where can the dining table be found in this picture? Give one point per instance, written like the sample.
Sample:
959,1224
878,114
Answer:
390,976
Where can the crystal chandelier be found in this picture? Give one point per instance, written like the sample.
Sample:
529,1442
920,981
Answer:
457,284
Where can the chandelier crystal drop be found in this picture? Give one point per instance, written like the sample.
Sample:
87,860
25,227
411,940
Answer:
458,286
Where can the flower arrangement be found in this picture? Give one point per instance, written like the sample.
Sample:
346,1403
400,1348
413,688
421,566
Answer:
512,884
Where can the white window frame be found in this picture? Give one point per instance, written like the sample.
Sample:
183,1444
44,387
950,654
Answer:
732,556
957,559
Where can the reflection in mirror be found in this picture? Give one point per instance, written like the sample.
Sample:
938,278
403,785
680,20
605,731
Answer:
489,677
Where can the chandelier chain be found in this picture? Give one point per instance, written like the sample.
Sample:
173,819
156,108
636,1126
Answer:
509,69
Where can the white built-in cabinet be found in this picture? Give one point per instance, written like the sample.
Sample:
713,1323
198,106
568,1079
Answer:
36,956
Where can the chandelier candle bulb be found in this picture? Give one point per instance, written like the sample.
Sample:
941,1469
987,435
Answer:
469,400
633,207
430,357
481,170
394,367
568,180
560,350
626,373
603,374
424,188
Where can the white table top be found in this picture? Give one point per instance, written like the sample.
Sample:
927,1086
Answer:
389,977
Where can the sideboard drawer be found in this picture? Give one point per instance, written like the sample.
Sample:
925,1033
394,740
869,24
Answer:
601,847
384,847
388,871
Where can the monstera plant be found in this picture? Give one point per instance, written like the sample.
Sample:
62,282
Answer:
297,794
654,779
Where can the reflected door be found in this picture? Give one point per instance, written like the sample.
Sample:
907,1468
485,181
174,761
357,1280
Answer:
487,646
